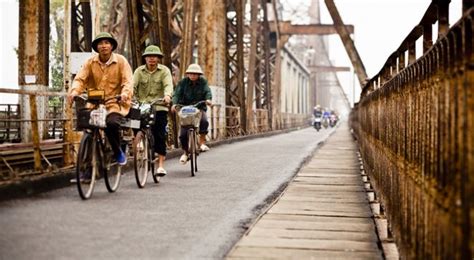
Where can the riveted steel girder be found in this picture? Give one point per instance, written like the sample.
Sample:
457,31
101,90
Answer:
81,26
235,88
347,42
33,54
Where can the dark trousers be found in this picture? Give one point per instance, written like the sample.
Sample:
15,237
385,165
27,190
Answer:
112,131
159,132
203,129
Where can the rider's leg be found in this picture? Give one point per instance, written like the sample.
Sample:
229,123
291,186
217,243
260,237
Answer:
159,134
203,128
112,132
183,138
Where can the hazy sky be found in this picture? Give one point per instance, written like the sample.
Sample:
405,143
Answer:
380,27
9,40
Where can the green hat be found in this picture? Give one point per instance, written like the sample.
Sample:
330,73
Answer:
104,36
152,50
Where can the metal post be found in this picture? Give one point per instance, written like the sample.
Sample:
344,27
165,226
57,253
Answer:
68,131
187,45
164,31
33,64
252,62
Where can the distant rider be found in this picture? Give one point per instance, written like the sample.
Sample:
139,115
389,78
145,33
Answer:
190,90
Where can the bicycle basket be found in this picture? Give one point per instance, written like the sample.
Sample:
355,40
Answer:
147,115
98,117
83,117
189,116
134,113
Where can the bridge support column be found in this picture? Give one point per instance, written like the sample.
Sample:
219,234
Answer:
33,67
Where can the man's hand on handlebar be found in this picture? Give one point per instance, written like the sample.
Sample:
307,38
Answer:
123,98
70,98
167,99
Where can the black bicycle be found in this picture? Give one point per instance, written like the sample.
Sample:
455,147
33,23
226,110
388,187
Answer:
189,117
143,144
95,155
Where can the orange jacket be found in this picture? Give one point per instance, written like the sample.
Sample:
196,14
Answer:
115,79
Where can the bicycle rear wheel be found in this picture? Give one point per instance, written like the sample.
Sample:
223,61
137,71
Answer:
192,151
141,158
112,170
87,166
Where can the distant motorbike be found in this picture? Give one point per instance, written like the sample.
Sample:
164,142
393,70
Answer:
325,122
332,120
317,123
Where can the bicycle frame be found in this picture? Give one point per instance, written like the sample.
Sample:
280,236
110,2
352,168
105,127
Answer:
95,159
143,145
192,133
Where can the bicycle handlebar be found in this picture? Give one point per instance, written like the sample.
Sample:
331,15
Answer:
84,97
194,105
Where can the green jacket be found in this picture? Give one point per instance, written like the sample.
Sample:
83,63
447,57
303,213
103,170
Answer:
149,86
187,94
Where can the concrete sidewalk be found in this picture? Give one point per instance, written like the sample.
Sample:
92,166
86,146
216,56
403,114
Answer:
323,214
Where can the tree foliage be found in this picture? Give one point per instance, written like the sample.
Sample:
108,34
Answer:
56,49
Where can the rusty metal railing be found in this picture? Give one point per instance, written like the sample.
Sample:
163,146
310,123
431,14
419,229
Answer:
48,156
414,124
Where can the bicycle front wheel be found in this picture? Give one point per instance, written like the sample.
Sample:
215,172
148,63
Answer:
141,159
112,170
192,151
87,166
151,156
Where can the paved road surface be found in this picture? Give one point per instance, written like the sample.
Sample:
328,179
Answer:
183,217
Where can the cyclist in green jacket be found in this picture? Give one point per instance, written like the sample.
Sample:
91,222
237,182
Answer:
153,81
190,90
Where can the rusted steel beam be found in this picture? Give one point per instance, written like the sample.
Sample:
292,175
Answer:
427,37
276,86
68,130
211,39
443,17
143,19
134,27
33,92
348,43
254,8
320,68
305,29
164,31
33,63
268,64
235,88
81,26
188,38
118,23
35,127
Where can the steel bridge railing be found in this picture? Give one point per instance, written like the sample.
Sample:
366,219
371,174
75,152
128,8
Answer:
48,156
415,127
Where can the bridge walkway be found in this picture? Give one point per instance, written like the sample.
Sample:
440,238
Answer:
323,213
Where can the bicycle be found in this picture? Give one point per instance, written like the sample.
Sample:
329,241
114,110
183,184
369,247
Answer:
143,144
95,155
189,117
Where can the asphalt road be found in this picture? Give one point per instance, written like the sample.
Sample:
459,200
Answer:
182,217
